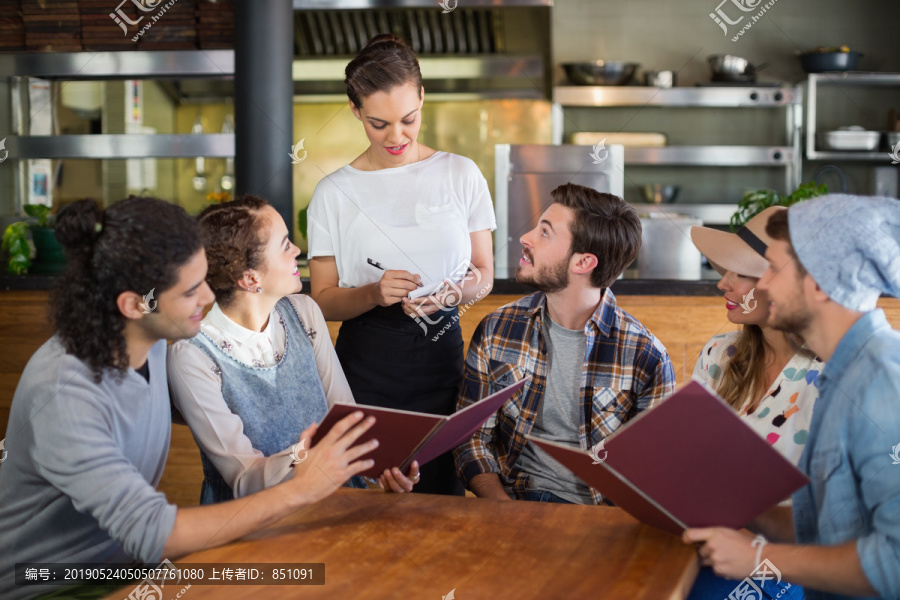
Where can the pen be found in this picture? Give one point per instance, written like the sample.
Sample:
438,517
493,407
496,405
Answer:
374,264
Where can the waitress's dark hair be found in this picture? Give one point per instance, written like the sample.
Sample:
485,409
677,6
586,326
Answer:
384,63
138,245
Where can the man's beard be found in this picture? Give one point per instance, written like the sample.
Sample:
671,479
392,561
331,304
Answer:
548,279
797,322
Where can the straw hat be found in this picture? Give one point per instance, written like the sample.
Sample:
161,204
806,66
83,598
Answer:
742,252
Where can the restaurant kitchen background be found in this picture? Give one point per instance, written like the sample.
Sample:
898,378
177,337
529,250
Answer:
493,75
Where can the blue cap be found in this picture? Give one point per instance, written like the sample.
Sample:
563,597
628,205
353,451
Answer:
850,245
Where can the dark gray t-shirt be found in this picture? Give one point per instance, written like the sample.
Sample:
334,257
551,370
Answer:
558,415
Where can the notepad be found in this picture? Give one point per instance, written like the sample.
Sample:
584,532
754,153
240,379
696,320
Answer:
688,462
404,436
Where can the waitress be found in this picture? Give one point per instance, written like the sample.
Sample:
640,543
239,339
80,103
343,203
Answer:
397,239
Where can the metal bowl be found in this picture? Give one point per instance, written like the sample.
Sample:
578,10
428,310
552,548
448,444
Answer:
659,193
823,62
727,67
601,72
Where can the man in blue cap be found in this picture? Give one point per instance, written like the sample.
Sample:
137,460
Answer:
832,259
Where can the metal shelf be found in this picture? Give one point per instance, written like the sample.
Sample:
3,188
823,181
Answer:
853,78
788,97
117,146
711,156
119,65
685,97
715,214
848,156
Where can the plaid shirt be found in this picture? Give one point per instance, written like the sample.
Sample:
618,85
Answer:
626,371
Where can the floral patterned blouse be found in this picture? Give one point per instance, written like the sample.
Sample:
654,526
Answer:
785,413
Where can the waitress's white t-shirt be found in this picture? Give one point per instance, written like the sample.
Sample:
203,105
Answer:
416,217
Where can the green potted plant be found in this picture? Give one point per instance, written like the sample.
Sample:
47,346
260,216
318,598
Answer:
756,201
49,256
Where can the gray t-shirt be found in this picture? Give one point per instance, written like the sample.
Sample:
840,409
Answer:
79,481
558,415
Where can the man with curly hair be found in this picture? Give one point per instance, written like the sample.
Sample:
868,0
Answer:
89,427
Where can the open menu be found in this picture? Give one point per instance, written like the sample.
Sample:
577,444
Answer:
688,462
405,436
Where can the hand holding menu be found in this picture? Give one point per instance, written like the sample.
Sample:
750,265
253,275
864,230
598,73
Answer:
688,462
405,436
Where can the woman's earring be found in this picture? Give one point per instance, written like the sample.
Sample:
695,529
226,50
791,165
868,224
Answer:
259,290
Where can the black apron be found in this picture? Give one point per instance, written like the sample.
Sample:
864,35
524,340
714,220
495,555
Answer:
390,361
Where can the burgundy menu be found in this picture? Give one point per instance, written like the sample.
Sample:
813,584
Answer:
404,436
688,462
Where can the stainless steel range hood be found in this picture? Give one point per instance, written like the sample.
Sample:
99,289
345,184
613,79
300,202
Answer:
479,49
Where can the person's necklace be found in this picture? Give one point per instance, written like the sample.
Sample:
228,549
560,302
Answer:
418,156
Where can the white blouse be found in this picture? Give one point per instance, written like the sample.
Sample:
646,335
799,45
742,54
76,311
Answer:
195,384
784,414
416,217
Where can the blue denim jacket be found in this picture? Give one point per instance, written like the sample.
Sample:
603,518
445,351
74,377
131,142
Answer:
854,492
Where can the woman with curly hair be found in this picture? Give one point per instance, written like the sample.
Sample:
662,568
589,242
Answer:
262,370
391,236
89,426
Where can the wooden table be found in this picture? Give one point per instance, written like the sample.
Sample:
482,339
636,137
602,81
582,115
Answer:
377,545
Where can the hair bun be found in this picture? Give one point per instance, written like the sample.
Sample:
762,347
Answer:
76,225
383,38
385,62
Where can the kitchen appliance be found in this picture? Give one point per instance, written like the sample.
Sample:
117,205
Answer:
823,62
473,49
600,72
525,176
851,139
660,79
666,248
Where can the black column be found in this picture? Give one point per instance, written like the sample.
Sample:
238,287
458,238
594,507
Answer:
263,102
